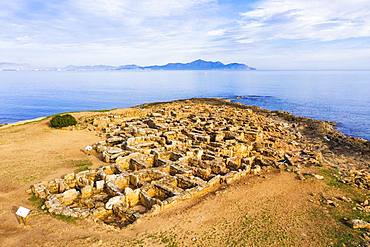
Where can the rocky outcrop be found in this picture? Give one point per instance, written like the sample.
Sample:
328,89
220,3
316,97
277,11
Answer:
171,152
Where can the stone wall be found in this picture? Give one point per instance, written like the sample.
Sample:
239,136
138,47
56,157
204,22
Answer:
169,153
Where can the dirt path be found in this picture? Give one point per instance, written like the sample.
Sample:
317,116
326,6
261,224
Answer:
277,210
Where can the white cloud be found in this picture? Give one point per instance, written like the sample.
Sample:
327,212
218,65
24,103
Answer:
216,32
307,20
140,9
270,34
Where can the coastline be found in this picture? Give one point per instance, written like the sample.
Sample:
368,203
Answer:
219,100
7,125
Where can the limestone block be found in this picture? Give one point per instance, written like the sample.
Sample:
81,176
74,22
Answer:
100,185
203,173
146,200
115,140
53,202
136,164
62,186
114,200
86,191
214,181
132,196
70,180
217,136
256,170
101,213
53,187
39,190
123,162
69,196
248,160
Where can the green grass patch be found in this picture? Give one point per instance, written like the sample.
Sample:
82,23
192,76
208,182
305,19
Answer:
82,165
340,233
168,240
331,179
102,110
37,202
348,239
64,218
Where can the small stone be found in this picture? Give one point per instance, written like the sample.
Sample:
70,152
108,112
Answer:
345,199
99,184
331,203
318,176
88,149
359,224
300,176
256,170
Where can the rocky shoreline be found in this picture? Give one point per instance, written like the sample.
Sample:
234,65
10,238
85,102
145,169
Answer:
159,154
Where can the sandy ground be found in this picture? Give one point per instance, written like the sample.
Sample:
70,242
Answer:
276,210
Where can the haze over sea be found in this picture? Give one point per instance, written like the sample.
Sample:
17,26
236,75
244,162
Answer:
340,96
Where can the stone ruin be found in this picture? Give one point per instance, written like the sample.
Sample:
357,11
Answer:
169,153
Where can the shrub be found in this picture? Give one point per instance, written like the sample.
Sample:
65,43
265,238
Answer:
60,121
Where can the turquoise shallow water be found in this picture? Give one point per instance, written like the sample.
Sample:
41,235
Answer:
340,96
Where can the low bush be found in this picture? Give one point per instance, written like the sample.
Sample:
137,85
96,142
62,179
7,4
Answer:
60,121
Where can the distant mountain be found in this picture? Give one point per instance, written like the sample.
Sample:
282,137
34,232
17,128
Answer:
130,66
195,65
200,65
14,67
89,68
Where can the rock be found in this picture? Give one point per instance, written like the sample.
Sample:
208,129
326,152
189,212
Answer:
300,176
39,190
289,160
331,203
114,200
115,140
69,196
345,199
53,204
62,186
70,180
53,187
88,149
217,137
101,213
100,185
86,191
114,150
318,176
256,170
132,196
359,224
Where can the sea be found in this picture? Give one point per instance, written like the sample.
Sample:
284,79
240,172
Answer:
339,96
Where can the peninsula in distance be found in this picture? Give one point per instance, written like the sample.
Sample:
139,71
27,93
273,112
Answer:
195,65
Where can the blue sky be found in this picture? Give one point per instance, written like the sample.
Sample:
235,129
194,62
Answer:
267,34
